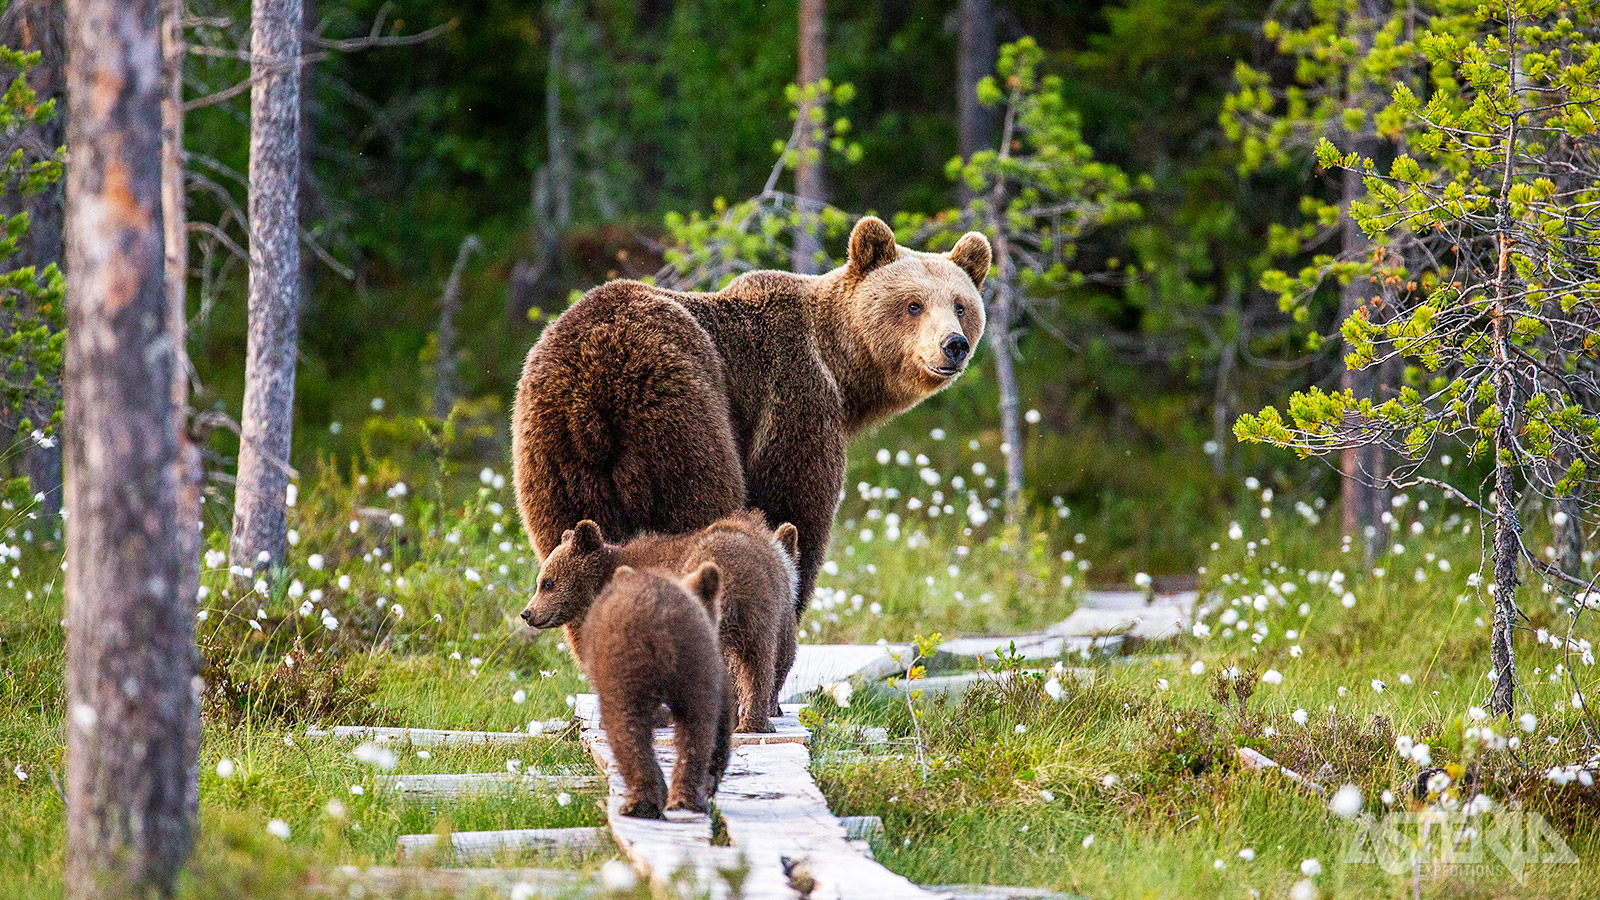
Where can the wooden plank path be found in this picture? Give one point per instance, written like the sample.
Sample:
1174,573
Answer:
465,845
437,737
777,821
787,728
479,783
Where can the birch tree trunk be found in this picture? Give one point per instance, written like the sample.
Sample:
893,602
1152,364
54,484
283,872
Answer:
131,656
259,512
808,184
39,26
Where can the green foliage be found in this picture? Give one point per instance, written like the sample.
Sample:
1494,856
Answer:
32,314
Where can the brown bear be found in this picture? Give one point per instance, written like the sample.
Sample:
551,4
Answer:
757,627
653,410
652,641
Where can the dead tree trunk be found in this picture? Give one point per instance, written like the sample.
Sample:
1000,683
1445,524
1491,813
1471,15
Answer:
1000,314
1507,537
307,200
976,54
39,26
808,185
259,512
131,653
447,384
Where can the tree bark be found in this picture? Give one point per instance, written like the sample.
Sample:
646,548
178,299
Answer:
1005,369
1507,540
175,241
447,384
559,144
131,656
808,183
976,55
259,517
308,199
1362,468
39,26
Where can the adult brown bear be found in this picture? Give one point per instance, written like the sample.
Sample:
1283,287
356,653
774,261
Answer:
647,409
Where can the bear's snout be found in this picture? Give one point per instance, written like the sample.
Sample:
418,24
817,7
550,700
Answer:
956,347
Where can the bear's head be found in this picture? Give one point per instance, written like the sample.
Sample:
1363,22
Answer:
570,578
918,315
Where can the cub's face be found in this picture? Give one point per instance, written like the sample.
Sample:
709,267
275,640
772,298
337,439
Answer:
919,315
570,578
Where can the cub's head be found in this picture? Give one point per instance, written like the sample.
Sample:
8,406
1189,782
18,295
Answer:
918,315
570,578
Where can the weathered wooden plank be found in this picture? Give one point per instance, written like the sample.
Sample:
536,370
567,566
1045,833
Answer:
419,786
674,853
435,737
818,664
788,729
407,881
1254,759
776,815
1164,617
465,845
999,892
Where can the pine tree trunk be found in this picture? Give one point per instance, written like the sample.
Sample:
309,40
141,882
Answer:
1362,468
976,54
131,655
1507,531
39,26
307,200
808,184
175,240
259,513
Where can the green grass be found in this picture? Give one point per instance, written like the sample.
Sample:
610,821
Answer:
1142,759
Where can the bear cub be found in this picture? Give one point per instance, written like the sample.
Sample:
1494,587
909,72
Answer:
759,612
651,641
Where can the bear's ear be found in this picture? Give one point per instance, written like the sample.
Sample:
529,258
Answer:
705,583
871,246
586,537
789,539
972,254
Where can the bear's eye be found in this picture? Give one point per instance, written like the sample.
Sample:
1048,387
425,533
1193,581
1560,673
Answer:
961,311
914,307
547,584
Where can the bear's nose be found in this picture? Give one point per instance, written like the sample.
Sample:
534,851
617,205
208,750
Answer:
956,349
527,616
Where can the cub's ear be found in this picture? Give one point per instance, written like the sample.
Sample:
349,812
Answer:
706,584
624,572
871,246
789,539
586,537
972,254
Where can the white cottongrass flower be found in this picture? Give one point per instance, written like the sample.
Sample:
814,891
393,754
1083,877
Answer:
1054,689
1378,685
1528,722
1422,755
1142,580
1088,841
1299,716
225,768
1310,868
1162,685
1303,890
617,876
1346,802
357,790
519,697
1247,854
841,692
563,799
279,829
21,774
1020,729
374,755
1199,668
315,561
1295,651
1272,676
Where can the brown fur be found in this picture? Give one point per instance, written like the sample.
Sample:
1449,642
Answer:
652,410
652,641
757,627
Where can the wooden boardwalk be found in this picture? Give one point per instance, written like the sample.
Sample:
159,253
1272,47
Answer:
782,835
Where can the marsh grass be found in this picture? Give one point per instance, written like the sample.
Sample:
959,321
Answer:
410,618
